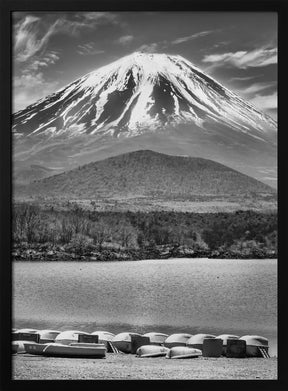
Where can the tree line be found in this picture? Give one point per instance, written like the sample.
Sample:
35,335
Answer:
80,230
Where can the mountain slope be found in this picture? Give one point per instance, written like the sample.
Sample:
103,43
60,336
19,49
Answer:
137,92
149,174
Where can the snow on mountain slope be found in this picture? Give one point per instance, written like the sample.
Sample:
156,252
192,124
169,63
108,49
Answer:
139,93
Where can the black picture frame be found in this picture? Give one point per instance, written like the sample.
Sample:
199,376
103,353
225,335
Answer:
278,6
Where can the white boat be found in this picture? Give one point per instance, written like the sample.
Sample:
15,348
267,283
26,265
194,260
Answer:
256,346
196,341
152,351
183,352
76,351
156,338
179,339
122,342
69,336
225,338
48,335
103,336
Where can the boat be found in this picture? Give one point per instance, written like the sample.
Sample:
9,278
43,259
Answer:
19,346
156,338
66,337
225,338
183,352
76,351
196,341
103,336
177,340
256,346
48,335
106,337
123,341
151,351
34,348
28,331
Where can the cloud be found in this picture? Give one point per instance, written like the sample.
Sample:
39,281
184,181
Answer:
244,59
149,48
256,87
28,38
32,33
125,39
88,49
50,58
265,102
191,37
28,88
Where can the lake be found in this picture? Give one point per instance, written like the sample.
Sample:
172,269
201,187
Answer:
215,296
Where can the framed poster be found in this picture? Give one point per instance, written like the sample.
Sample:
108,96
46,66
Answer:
144,167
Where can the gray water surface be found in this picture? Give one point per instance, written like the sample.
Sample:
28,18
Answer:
175,295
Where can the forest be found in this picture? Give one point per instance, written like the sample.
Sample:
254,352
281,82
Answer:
79,234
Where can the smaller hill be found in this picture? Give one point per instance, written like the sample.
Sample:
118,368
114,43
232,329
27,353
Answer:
149,174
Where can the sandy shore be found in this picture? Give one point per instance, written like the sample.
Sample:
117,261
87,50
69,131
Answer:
130,367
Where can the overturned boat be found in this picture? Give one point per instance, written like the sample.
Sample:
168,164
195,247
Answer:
177,340
151,351
129,342
196,341
156,338
225,338
256,346
47,336
75,350
69,336
183,352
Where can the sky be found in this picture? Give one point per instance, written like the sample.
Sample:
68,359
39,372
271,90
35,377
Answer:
239,50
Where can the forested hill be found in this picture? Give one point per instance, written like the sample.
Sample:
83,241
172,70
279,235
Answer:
146,173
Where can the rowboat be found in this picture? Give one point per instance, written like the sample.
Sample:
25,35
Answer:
34,348
123,341
76,350
156,338
183,352
196,341
225,338
151,351
69,336
19,346
47,336
256,346
176,340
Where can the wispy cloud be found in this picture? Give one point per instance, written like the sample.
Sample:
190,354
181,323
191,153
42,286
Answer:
29,88
191,37
265,102
257,87
32,33
244,59
125,39
88,49
28,38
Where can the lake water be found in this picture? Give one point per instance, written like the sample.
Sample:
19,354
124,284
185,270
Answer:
174,295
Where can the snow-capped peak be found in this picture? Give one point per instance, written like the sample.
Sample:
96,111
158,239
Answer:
142,92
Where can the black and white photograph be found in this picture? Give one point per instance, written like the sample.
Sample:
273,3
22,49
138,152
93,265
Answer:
144,195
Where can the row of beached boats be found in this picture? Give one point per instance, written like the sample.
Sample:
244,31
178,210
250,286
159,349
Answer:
75,343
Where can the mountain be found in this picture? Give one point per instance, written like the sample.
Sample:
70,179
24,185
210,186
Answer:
145,101
150,176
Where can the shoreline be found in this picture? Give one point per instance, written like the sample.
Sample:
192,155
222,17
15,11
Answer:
130,367
54,253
